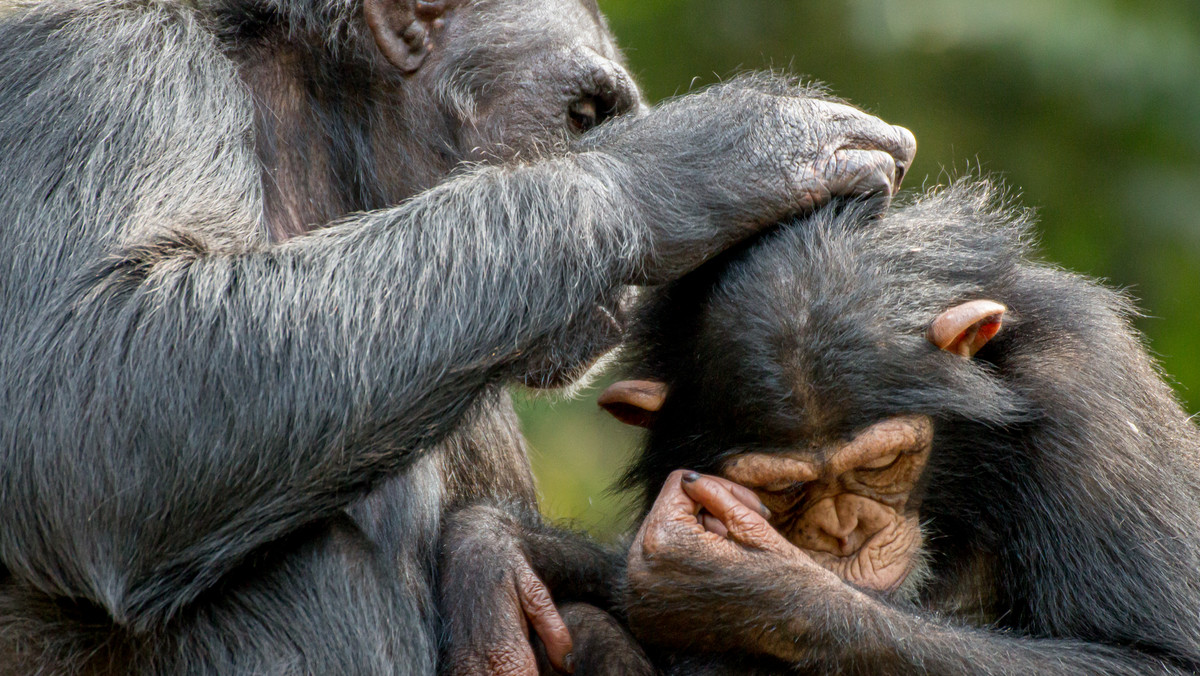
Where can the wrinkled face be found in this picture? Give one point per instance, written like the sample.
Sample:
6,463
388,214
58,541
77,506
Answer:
849,505
849,502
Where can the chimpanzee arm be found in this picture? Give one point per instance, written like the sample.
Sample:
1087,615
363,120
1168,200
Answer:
174,400
829,630
211,402
771,599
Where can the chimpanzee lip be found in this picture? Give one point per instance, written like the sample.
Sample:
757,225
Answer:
842,565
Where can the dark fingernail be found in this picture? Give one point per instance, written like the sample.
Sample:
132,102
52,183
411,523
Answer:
691,476
569,662
765,512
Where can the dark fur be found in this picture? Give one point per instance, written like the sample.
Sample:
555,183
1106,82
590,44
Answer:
227,440
1063,490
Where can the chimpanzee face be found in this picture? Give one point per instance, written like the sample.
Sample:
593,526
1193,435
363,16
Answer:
851,506
849,500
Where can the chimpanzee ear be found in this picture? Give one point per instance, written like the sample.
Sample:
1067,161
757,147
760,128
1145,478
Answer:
405,30
634,402
965,328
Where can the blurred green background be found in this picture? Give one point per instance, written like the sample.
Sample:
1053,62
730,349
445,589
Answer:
1090,108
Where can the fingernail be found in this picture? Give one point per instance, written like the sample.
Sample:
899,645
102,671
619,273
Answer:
765,512
569,662
691,476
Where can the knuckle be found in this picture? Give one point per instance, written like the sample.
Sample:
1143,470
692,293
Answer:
651,543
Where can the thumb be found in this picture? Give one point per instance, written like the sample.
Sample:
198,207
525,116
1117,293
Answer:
545,620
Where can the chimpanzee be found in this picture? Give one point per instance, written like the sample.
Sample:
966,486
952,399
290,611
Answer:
966,461
265,267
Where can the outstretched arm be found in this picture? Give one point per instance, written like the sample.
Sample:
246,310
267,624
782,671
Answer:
176,406
771,599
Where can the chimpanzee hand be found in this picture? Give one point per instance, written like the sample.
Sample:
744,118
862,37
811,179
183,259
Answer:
490,598
708,571
708,169
602,647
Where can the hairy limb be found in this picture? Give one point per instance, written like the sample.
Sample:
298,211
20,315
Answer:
774,601
501,573
299,376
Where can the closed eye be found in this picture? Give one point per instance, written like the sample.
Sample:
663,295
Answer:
881,463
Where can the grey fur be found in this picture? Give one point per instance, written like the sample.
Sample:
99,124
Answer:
257,304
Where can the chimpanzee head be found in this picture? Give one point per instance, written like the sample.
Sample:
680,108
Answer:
819,364
364,103
509,76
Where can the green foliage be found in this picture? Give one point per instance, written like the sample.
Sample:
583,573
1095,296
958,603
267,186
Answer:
1089,108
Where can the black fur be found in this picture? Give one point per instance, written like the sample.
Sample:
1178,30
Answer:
1063,489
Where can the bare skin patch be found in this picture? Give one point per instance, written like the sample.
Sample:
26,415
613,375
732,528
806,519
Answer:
849,507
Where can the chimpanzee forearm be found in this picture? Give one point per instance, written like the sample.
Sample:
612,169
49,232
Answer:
906,644
982,652
844,630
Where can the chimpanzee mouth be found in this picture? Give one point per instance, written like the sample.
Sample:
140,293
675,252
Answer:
882,564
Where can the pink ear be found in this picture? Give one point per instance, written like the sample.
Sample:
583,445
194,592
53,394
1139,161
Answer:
965,328
634,402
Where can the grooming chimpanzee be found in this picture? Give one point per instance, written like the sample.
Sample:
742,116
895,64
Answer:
1023,500
256,313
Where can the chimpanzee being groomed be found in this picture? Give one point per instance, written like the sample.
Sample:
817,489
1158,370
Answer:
265,269
969,462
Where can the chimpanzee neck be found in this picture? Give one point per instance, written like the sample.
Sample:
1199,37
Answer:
325,138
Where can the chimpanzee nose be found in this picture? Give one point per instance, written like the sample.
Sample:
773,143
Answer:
836,524
842,524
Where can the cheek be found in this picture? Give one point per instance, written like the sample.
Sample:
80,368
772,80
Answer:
865,542
520,123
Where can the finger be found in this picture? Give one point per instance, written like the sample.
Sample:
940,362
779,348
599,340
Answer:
713,525
863,131
744,524
905,154
545,620
672,500
858,173
745,495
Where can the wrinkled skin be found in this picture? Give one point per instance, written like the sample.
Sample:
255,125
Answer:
699,529
850,508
